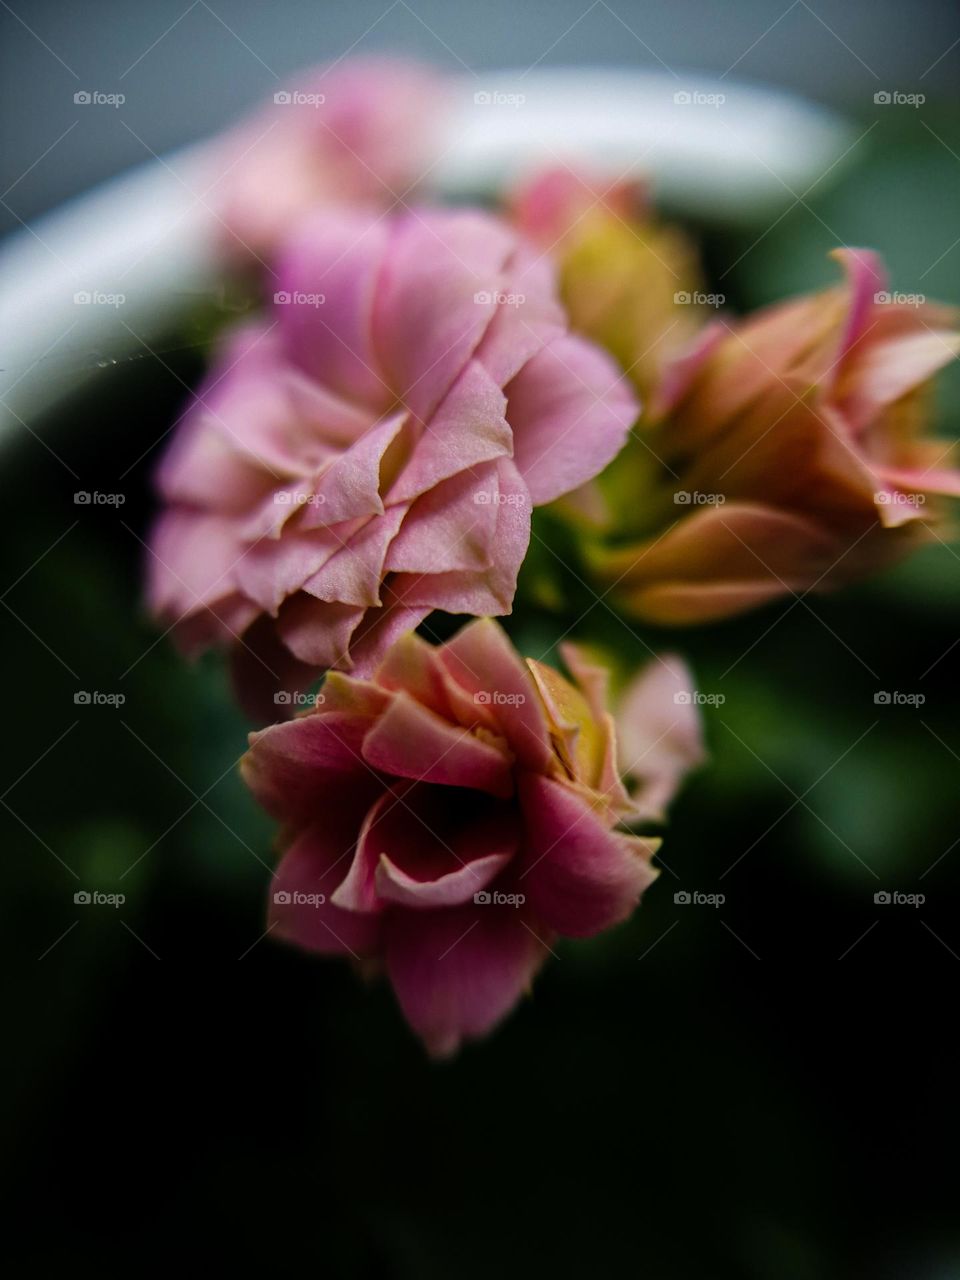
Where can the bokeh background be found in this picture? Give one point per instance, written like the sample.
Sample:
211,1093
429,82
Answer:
764,1089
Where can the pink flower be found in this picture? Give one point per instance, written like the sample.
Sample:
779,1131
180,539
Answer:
371,451
786,454
365,130
448,819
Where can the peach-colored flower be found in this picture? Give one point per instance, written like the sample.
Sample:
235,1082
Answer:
785,453
628,280
447,819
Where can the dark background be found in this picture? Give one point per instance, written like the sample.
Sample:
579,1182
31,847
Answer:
762,1090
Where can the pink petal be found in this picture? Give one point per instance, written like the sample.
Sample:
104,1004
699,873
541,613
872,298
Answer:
350,486
414,665
528,317
381,627
483,662
458,971
310,767
311,869
435,299
571,411
339,257
355,573
468,428
660,734
409,741
579,876
450,528
865,278
487,591
271,569
318,632
192,561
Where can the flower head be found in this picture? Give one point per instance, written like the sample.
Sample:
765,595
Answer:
628,281
362,131
449,818
371,451
785,453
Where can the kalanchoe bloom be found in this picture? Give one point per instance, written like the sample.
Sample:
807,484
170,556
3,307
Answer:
363,131
446,820
787,454
627,280
371,451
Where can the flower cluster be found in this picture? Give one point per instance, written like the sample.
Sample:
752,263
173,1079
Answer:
365,456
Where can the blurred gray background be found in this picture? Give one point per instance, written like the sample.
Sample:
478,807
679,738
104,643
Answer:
188,67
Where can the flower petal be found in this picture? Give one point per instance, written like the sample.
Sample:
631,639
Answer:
579,876
408,741
571,410
309,871
483,662
458,971
311,766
